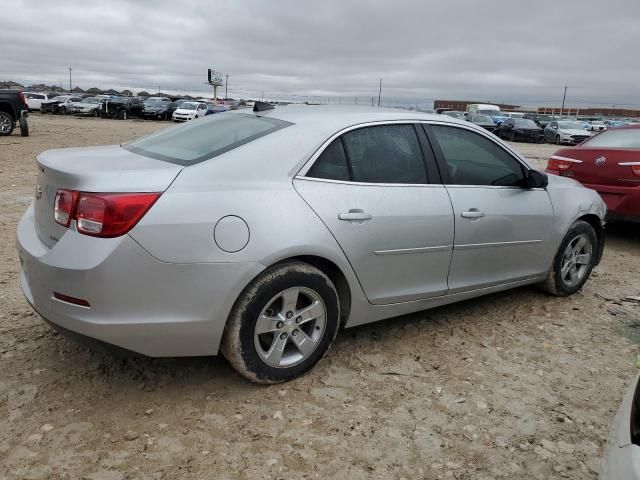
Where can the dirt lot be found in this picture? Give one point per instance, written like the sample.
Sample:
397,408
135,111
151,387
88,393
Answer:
513,385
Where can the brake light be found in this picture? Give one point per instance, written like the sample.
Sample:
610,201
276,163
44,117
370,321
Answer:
23,100
106,214
63,206
561,164
636,169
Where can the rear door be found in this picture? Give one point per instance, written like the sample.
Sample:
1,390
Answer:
502,230
376,189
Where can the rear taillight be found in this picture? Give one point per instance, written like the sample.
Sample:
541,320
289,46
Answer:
63,206
23,100
636,169
104,214
561,164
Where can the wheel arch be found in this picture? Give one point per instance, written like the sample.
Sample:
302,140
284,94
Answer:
335,274
593,220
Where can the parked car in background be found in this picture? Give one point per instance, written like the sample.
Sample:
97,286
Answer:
597,125
393,213
35,99
122,108
13,110
484,121
189,111
160,99
215,108
621,459
88,106
541,119
158,109
565,131
454,114
515,129
609,163
62,104
615,123
487,109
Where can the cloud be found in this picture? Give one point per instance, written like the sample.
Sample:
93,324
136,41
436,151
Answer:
519,52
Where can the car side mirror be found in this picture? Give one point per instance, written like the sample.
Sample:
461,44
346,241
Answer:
536,179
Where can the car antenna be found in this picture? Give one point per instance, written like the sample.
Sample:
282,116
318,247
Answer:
262,106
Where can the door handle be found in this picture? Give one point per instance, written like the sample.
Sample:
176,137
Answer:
472,213
355,214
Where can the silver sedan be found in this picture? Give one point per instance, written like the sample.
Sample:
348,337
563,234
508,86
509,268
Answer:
262,233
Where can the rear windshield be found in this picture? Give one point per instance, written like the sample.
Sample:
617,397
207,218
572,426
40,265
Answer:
204,138
623,138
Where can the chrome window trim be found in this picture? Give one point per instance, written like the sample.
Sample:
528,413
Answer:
367,184
302,172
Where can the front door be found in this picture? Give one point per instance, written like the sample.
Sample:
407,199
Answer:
502,229
371,188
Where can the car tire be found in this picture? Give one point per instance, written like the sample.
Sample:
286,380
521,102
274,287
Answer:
122,115
512,137
24,127
96,113
7,124
580,243
292,300
558,141
62,110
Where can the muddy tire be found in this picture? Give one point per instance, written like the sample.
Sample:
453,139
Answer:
574,261
282,324
24,127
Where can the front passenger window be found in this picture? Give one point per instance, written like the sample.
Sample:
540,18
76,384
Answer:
473,159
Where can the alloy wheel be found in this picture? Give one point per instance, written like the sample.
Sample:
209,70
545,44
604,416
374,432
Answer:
576,260
5,123
290,327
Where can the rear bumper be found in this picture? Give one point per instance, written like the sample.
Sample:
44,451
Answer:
621,458
136,302
623,203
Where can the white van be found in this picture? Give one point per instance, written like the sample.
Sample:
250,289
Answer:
484,108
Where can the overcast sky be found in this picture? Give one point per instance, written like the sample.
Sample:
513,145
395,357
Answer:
515,51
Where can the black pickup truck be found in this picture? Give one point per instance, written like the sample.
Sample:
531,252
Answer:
13,109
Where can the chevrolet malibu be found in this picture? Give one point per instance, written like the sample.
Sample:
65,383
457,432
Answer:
260,234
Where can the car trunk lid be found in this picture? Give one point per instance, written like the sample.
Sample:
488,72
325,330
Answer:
97,169
599,166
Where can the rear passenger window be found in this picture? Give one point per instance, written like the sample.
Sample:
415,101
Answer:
331,164
385,154
475,160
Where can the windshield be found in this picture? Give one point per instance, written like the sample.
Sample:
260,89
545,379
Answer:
210,136
618,138
188,106
154,103
481,118
570,125
90,100
489,112
524,123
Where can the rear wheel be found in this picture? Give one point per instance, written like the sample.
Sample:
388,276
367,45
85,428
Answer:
6,123
96,113
573,262
282,324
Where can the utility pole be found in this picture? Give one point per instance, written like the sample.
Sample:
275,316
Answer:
158,89
262,96
563,99
70,87
379,92
226,86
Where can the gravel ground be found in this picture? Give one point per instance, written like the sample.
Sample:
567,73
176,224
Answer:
513,385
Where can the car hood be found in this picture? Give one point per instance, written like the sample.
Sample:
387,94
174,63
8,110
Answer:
573,131
184,111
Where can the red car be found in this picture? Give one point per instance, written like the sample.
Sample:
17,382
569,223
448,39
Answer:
609,163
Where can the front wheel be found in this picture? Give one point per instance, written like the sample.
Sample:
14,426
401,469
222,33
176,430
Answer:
558,141
282,324
24,127
573,262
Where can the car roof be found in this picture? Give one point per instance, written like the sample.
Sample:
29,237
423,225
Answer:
334,117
